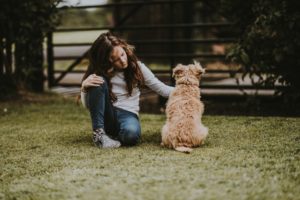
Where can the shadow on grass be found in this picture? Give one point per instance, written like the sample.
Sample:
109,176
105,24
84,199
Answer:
154,139
151,137
250,106
80,140
238,106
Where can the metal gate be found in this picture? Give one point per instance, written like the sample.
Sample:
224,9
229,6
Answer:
121,27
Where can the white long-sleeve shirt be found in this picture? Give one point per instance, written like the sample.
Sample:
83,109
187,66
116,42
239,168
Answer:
131,103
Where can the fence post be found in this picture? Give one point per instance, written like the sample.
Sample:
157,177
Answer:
1,57
50,60
9,55
171,35
162,100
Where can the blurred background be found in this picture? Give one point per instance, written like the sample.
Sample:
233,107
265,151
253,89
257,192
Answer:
164,34
249,49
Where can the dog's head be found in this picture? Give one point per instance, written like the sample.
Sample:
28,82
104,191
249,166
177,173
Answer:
188,74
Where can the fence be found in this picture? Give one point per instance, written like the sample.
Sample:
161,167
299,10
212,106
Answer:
171,42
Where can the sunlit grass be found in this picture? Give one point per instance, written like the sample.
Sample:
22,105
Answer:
47,153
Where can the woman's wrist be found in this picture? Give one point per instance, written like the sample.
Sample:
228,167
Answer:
83,89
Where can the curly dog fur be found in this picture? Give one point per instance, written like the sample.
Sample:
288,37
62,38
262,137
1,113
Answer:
184,129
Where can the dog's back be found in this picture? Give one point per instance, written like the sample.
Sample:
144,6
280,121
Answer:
183,127
184,110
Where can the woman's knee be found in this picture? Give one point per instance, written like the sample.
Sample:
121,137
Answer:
98,89
94,93
130,135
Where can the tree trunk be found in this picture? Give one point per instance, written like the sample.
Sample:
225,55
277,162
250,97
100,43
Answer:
29,64
1,57
20,64
36,78
8,60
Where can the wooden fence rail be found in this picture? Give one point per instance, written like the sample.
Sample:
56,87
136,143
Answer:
171,42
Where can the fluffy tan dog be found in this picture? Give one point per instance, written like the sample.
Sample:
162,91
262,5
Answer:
183,129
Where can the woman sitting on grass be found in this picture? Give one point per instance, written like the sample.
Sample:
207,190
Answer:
111,91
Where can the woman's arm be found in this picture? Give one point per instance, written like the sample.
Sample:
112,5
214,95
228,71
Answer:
91,81
153,83
83,97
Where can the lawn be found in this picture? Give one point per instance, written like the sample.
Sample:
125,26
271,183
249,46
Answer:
47,153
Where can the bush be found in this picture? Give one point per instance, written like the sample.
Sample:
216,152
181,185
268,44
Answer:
269,41
23,27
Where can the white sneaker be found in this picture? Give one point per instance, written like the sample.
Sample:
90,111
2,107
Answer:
102,140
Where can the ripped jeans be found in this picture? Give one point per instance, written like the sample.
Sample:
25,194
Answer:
118,123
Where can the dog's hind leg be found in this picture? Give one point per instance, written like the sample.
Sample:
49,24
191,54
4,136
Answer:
203,132
199,135
164,135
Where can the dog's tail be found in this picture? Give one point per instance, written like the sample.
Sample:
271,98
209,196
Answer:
184,149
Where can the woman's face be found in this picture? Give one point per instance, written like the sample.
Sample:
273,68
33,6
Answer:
118,58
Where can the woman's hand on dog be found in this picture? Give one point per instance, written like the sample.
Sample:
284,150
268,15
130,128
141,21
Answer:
92,81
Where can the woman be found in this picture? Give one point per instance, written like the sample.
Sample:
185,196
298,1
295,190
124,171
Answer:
111,90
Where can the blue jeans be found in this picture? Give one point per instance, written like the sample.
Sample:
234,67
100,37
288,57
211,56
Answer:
117,123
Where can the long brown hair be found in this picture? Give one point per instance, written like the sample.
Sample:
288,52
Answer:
100,64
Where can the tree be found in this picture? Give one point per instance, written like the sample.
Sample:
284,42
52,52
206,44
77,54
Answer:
24,25
269,41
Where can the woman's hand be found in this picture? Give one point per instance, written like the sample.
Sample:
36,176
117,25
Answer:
91,81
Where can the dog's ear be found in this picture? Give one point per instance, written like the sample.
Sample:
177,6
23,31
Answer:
178,70
199,68
202,70
196,69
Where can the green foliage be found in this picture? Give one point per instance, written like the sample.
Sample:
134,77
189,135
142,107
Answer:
24,25
269,40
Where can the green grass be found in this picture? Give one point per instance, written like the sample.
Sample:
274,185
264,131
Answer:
46,153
